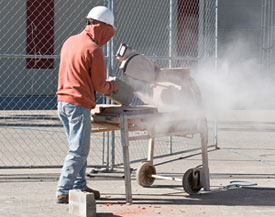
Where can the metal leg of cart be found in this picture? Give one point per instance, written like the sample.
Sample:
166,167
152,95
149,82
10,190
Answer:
126,158
151,146
205,169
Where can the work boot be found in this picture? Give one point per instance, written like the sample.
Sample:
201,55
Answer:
62,199
96,193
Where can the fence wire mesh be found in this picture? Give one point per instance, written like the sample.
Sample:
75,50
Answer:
173,33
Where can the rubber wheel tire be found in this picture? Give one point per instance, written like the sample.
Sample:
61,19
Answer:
188,183
144,173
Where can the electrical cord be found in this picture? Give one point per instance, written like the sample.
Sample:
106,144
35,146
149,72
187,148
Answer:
239,184
232,185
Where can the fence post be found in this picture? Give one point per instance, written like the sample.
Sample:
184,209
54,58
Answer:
111,73
215,137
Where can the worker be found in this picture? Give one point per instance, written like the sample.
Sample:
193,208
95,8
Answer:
82,73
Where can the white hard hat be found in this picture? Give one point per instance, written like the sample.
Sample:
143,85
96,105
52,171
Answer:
102,14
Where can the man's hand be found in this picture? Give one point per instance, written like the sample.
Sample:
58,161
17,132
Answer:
114,84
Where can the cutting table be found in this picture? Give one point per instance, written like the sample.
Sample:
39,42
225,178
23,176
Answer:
149,120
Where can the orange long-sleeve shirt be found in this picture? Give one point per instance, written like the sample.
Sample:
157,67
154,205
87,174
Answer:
82,70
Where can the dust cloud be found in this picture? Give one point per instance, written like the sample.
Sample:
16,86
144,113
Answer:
240,81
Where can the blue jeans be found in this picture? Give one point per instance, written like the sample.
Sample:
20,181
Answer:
77,123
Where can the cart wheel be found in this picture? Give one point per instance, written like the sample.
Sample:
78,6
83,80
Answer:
144,173
191,181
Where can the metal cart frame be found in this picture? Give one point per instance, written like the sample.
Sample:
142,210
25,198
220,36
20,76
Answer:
199,176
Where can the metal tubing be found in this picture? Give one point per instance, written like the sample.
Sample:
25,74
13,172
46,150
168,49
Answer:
126,158
111,73
42,167
272,34
215,139
29,56
110,49
215,129
262,35
113,151
133,138
170,33
108,151
103,148
106,57
201,35
170,151
151,146
167,155
205,169
166,178
36,56
174,58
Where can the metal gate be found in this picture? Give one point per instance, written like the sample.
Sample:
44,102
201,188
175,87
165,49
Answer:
173,33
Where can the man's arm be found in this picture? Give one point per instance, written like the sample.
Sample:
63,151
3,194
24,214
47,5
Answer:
98,74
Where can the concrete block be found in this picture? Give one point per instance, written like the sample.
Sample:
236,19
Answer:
82,204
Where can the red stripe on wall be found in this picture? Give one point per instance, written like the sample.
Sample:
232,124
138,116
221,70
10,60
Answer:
187,32
40,32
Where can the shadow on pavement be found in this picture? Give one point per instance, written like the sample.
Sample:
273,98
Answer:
253,196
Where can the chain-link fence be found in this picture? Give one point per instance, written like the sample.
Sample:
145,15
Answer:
173,33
